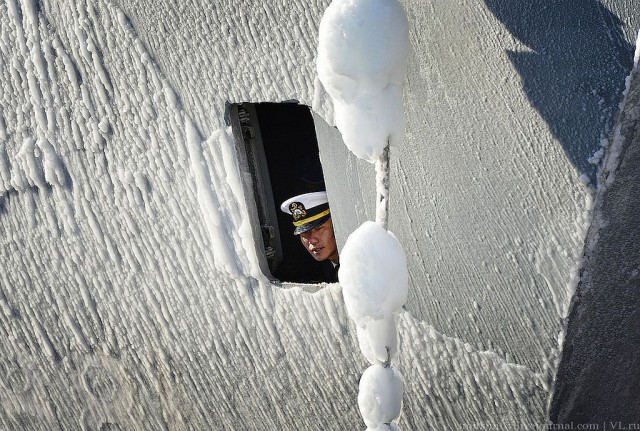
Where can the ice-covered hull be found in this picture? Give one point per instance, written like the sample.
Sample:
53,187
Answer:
131,290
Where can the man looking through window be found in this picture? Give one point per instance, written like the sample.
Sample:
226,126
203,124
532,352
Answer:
312,221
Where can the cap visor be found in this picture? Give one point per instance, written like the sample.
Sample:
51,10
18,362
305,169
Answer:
311,225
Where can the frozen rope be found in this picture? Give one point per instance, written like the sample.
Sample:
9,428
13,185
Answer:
382,188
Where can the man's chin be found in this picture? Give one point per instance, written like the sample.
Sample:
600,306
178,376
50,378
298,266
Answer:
319,257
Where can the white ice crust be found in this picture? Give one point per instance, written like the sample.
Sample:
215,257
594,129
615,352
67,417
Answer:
362,61
119,185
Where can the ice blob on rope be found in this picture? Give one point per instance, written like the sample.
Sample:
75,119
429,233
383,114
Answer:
373,273
380,396
375,282
378,339
362,61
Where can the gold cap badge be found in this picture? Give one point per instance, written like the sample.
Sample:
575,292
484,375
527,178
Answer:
297,210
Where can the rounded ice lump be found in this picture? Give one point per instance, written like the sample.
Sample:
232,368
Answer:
362,60
373,274
378,340
380,395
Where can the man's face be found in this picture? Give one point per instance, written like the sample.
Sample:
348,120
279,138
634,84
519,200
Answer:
321,242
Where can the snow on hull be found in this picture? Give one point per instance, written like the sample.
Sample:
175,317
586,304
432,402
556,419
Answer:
117,183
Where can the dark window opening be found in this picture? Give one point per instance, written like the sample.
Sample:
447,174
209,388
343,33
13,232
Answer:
279,159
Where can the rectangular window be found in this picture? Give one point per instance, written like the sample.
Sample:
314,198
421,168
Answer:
279,159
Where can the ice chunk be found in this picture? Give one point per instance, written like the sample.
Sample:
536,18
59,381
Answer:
370,120
373,274
378,340
380,395
362,61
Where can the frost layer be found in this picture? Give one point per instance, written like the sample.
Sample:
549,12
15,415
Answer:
362,61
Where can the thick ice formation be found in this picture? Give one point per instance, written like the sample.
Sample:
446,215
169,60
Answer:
375,280
373,273
375,283
380,396
118,312
378,339
362,61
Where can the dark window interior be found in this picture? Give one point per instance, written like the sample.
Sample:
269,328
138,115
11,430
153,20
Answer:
281,150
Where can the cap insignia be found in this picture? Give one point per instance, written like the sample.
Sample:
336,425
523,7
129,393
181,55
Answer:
297,210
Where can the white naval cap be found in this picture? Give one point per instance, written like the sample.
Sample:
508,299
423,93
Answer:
309,210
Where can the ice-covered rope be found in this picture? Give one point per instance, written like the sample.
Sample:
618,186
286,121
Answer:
362,61
382,188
